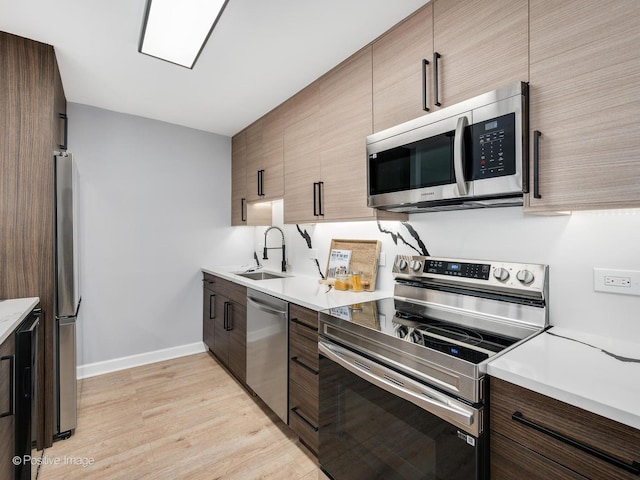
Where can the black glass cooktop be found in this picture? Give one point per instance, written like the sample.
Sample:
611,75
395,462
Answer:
422,325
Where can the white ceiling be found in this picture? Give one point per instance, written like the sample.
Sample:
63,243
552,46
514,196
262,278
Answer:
260,53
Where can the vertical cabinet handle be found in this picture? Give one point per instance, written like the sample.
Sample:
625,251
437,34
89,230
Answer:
261,183
436,57
228,325
315,199
425,94
243,210
11,395
212,306
320,195
536,164
65,118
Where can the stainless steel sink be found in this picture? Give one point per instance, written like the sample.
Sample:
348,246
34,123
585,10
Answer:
260,275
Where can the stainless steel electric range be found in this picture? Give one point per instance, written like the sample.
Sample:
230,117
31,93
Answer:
402,379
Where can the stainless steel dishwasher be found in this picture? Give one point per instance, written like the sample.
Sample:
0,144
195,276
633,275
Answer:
267,350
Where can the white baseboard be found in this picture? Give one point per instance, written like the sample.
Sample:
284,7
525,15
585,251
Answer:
108,366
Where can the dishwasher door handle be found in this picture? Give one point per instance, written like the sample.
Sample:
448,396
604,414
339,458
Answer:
265,308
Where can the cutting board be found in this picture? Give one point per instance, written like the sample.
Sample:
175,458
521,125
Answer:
364,258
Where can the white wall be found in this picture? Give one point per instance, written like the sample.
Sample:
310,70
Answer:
154,207
571,245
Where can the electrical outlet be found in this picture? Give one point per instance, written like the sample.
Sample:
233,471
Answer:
626,282
313,253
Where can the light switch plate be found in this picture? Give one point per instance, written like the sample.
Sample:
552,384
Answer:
625,282
383,259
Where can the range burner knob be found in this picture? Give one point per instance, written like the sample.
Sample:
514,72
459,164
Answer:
402,331
501,274
416,265
401,263
416,337
525,277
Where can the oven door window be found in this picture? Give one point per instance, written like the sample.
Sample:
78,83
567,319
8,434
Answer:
366,432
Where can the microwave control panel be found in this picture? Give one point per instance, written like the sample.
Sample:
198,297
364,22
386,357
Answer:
494,147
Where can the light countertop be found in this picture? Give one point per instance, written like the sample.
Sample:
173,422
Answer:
12,312
559,364
299,289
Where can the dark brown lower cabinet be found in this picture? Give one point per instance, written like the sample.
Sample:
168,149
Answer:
224,323
537,437
303,375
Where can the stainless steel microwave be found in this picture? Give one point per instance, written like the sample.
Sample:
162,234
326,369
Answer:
468,155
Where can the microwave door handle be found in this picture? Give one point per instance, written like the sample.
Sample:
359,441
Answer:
458,156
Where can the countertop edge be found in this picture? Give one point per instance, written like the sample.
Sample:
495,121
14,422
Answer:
502,369
281,288
24,306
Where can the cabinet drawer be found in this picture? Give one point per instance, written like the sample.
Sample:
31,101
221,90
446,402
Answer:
303,400
231,290
303,415
303,348
303,375
511,460
519,414
301,315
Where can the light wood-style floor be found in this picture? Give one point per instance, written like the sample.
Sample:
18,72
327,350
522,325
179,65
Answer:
185,418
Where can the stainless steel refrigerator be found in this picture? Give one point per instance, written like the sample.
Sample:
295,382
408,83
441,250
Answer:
67,296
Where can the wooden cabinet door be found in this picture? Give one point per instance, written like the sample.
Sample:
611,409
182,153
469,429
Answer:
483,45
239,179
208,311
237,338
301,156
345,122
398,68
254,159
220,333
273,152
585,99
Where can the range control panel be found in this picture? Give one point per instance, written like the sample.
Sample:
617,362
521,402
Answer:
458,269
521,278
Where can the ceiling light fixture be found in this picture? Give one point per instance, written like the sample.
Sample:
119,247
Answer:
177,30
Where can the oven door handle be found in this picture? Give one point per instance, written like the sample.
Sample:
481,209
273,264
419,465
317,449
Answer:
424,397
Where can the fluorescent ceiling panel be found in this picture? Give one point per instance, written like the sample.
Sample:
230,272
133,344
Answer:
176,30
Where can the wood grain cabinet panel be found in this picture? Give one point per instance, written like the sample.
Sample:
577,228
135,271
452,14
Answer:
585,99
483,45
345,122
303,374
398,69
302,156
32,100
517,414
239,179
265,156
225,323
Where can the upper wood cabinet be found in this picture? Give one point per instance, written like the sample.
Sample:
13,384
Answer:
584,101
302,157
399,93
265,161
324,146
483,45
239,179
243,212
475,46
